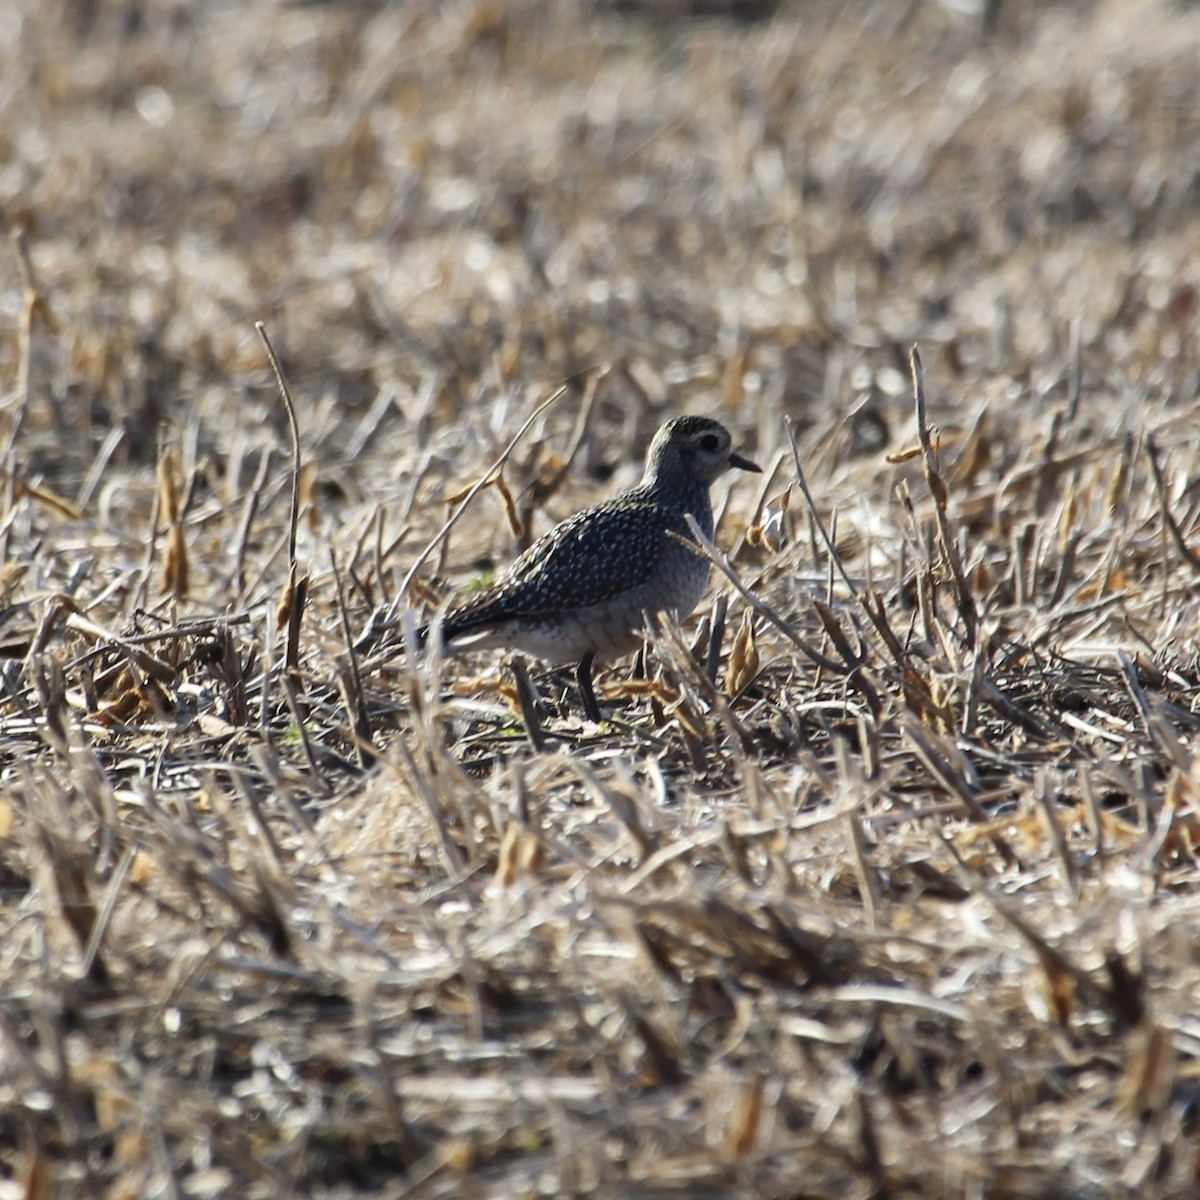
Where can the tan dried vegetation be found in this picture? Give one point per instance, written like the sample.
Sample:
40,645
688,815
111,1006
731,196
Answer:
881,881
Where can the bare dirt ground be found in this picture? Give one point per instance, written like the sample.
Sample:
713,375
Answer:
882,879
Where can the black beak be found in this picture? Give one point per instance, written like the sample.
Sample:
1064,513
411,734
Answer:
744,464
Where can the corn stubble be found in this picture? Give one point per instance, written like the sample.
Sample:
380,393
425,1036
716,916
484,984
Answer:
881,881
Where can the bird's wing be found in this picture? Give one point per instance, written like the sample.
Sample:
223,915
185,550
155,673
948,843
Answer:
591,557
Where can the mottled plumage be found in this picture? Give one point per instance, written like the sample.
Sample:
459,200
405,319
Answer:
585,588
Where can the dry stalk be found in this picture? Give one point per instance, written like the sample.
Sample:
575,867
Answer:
937,489
350,681
1171,526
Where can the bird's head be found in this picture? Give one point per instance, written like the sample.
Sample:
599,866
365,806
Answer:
698,448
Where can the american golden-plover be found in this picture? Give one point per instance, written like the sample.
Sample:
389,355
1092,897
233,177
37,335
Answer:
586,588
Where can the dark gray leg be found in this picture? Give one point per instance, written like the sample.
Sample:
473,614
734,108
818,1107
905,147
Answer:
583,677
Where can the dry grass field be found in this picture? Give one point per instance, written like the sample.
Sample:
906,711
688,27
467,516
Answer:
881,880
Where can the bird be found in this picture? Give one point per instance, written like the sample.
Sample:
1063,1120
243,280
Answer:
586,588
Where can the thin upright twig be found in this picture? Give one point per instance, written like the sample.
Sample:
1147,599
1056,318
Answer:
1160,487
1075,375
294,428
937,489
31,303
790,425
295,591
356,700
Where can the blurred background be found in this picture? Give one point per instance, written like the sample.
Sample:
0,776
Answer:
441,210
746,206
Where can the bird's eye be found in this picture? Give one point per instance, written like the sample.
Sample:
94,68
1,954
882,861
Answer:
710,442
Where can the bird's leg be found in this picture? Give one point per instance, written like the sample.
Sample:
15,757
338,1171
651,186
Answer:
583,677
